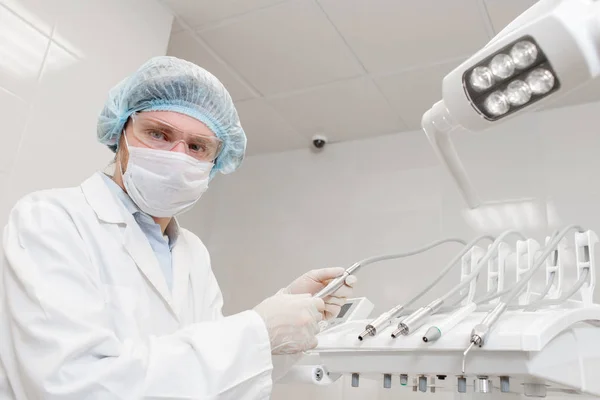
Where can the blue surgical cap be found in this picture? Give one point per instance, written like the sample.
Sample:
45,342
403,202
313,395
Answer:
170,84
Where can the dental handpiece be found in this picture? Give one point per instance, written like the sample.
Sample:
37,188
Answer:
337,283
481,330
436,331
415,320
381,322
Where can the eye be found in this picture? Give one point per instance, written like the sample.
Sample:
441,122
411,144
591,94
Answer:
156,135
197,147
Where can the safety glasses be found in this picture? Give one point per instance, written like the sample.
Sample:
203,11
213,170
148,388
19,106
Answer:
160,135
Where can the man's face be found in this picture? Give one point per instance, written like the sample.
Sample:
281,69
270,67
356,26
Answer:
175,126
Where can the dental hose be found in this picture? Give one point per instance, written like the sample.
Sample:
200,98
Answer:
481,330
385,319
415,320
493,296
553,302
340,280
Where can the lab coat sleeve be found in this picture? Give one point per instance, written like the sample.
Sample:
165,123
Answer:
282,364
63,342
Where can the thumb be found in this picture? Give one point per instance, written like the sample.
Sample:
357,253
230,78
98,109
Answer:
351,280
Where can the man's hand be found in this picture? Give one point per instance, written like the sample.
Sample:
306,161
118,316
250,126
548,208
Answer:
317,279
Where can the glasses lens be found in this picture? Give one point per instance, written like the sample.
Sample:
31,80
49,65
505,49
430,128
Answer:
161,136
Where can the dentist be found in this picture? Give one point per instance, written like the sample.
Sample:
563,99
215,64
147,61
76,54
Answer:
105,296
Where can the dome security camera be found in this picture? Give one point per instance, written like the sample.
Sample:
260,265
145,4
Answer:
319,141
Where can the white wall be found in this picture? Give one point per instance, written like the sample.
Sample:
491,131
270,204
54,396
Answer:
283,214
58,59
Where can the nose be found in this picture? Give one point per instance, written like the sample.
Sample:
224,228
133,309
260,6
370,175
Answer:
180,147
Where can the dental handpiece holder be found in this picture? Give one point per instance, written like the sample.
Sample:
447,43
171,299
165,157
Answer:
552,347
557,347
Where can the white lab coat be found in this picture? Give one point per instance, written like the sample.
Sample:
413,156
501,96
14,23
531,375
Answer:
86,312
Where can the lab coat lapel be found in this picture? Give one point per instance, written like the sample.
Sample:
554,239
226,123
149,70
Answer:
110,209
139,249
182,260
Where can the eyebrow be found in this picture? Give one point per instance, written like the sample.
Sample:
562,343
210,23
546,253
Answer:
171,128
164,124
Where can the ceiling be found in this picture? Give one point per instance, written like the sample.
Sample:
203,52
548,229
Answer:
347,69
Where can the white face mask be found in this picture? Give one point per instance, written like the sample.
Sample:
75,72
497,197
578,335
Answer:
164,183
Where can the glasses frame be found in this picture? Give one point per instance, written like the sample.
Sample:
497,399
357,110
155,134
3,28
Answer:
167,125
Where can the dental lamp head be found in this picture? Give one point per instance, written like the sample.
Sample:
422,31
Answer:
551,49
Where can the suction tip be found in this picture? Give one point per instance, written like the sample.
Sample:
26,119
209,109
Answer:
432,334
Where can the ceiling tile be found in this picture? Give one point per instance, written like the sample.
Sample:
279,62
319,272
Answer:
41,14
22,51
183,45
14,116
266,130
197,13
413,92
79,23
391,35
176,27
350,109
502,12
286,47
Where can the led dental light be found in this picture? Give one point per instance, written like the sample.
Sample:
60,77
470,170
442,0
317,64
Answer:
523,54
541,81
496,103
512,78
481,79
502,66
518,93
546,52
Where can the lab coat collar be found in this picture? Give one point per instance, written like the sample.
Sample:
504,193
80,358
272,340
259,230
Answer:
105,205
172,230
110,209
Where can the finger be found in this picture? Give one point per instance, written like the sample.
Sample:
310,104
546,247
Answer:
332,311
325,274
283,291
343,292
351,280
319,317
310,326
316,315
301,296
318,304
336,301
323,325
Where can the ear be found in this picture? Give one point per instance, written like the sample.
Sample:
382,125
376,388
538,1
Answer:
121,156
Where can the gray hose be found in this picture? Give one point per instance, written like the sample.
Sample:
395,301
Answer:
538,263
481,264
553,302
492,296
532,306
338,282
447,268
423,249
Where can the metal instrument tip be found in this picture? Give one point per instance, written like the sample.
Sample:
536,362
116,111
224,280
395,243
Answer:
464,361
